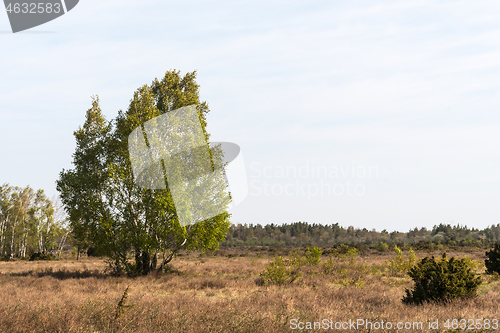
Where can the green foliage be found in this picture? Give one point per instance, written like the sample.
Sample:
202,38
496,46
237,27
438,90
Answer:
343,250
356,282
470,263
280,271
350,256
121,306
441,281
29,222
310,256
313,255
493,261
108,210
41,256
399,265
304,234
382,247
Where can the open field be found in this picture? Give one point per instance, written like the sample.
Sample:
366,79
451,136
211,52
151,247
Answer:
221,294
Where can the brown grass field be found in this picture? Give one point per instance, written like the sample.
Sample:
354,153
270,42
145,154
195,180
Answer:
224,294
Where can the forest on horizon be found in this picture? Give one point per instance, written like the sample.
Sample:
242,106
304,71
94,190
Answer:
306,234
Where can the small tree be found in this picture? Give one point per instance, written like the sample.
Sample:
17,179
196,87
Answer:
493,261
441,281
280,271
400,266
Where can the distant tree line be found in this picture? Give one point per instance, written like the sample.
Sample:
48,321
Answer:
29,223
305,234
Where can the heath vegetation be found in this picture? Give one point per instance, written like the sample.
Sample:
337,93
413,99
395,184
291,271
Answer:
256,289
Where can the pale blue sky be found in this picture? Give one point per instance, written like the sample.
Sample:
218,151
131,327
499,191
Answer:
410,88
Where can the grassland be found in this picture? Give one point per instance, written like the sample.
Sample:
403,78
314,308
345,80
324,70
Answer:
224,293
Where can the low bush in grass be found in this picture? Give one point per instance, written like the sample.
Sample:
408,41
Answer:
441,281
382,247
400,266
493,262
310,256
41,256
280,271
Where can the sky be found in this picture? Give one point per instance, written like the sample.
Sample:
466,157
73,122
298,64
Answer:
375,114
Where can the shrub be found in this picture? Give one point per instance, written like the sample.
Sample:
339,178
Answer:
346,252
313,255
280,271
260,281
41,256
400,266
120,308
470,263
310,256
441,281
342,249
382,247
356,282
493,261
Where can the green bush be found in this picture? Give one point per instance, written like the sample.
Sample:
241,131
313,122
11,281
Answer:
310,256
342,249
280,272
493,261
41,256
400,266
313,255
382,247
441,281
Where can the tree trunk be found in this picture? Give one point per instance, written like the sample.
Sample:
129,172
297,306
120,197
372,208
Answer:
145,262
11,255
138,261
154,262
171,256
24,241
78,252
2,235
61,244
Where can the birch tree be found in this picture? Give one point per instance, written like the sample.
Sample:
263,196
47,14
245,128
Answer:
27,223
107,210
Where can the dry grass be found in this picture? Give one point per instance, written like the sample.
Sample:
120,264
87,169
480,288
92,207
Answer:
213,294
